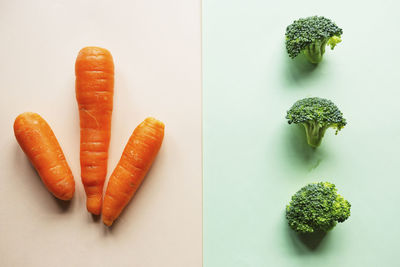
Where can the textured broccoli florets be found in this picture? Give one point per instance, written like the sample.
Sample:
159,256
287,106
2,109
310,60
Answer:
317,207
317,115
310,36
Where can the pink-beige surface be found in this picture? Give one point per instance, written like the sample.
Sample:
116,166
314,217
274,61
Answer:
157,56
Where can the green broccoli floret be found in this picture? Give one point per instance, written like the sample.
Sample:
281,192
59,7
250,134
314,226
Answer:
317,115
310,36
317,207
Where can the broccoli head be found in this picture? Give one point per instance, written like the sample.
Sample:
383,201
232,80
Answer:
310,36
316,115
317,207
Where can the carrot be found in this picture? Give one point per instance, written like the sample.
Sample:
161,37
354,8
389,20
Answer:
138,155
94,70
40,145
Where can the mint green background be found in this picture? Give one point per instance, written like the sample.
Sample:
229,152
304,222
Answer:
254,161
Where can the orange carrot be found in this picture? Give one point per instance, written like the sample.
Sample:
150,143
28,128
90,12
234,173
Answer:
94,70
136,160
40,145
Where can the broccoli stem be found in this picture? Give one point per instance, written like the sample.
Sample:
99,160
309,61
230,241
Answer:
315,132
315,51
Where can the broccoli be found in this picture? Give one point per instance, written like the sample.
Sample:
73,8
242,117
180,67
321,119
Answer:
317,115
310,36
317,207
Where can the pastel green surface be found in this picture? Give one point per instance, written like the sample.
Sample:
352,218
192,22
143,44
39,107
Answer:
254,161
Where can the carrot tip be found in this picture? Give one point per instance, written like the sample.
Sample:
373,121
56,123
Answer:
93,205
66,197
107,222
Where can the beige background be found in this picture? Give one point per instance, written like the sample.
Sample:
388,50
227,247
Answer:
156,49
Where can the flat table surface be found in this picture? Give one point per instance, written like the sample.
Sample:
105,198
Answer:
156,48
254,161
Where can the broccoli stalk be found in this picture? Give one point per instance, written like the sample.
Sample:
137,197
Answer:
316,115
315,51
315,132
310,36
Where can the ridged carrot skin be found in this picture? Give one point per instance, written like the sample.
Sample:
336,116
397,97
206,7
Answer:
138,155
94,70
40,145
